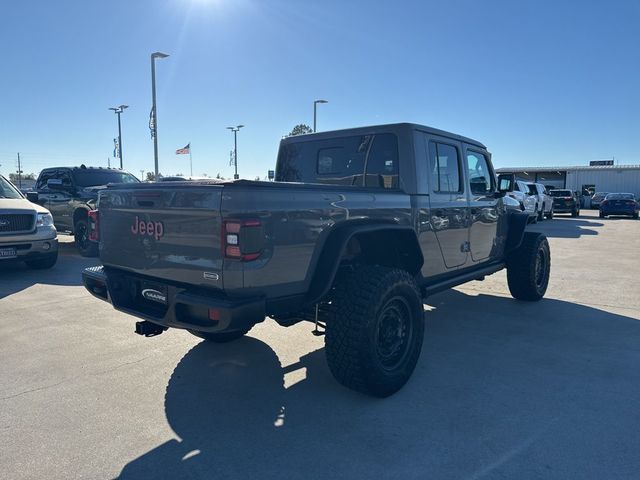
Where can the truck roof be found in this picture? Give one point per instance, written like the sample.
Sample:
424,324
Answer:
378,129
82,167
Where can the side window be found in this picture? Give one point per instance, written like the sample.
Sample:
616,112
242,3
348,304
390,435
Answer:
444,162
65,177
382,163
42,181
481,179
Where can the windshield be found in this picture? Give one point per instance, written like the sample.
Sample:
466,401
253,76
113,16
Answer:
532,189
93,178
600,195
560,193
7,190
620,196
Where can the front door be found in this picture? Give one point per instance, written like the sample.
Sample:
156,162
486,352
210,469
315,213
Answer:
448,201
483,204
60,202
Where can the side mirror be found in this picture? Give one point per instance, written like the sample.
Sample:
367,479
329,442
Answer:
506,183
33,197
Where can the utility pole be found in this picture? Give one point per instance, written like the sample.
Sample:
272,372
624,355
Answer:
118,111
235,148
19,173
142,175
153,120
315,108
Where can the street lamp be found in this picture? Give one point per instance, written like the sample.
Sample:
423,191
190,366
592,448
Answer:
315,106
118,111
153,120
235,147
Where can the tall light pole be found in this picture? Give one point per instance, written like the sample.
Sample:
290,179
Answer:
153,119
118,111
235,148
315,107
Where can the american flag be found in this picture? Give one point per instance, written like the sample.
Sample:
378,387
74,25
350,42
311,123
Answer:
184,151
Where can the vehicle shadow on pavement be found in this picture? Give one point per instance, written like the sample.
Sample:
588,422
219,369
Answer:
15,276
566,227
503,389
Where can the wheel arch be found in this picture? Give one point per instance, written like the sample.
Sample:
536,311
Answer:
386,244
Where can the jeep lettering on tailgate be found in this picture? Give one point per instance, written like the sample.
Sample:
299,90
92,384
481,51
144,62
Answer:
153,229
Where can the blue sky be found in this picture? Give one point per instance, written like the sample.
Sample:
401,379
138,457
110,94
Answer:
540,83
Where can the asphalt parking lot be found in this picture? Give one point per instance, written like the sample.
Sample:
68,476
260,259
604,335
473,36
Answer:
503,389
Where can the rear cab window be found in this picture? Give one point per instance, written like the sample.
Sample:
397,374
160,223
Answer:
362,160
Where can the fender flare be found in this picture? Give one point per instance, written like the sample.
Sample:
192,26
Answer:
330,254
515,233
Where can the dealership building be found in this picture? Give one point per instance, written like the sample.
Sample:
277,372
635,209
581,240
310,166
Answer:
599,176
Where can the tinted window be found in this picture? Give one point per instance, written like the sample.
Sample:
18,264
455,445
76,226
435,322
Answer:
560,193
342,161
44,176
532,189
382,162
92,178
445,167
620,196
480,175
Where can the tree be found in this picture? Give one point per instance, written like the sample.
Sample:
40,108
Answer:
300,129
13,177
220,177
151,177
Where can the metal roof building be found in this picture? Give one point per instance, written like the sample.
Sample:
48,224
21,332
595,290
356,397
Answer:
597,178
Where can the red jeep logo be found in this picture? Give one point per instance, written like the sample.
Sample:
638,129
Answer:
153,229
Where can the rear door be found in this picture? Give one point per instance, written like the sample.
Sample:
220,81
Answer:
483,204
448,201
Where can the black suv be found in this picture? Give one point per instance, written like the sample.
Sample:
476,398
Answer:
69,193
565,201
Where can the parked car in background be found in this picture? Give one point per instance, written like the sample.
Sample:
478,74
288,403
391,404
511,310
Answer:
522,194
544,201
565,201
619,204
597,199
70,193
26,229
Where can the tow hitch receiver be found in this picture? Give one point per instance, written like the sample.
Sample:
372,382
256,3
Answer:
149,329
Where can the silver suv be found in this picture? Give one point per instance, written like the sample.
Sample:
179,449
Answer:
26,229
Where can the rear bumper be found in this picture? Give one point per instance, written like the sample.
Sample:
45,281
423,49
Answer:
618,211
563,208
185,308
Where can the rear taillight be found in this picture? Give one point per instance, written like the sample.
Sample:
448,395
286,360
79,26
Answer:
604,202
94,225
242,239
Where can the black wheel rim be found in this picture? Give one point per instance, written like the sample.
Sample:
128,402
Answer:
541,268
81,236
394,333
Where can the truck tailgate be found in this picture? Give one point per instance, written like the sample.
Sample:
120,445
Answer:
169,232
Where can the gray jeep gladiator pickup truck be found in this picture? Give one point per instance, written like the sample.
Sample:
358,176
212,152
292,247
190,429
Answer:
358,228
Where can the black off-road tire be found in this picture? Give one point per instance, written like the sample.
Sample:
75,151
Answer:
43,263
541,213
375,329
550,214
86,247
635,215
528,268
574,213
602,215
220,337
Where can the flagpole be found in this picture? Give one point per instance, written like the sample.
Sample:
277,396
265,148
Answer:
190,160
